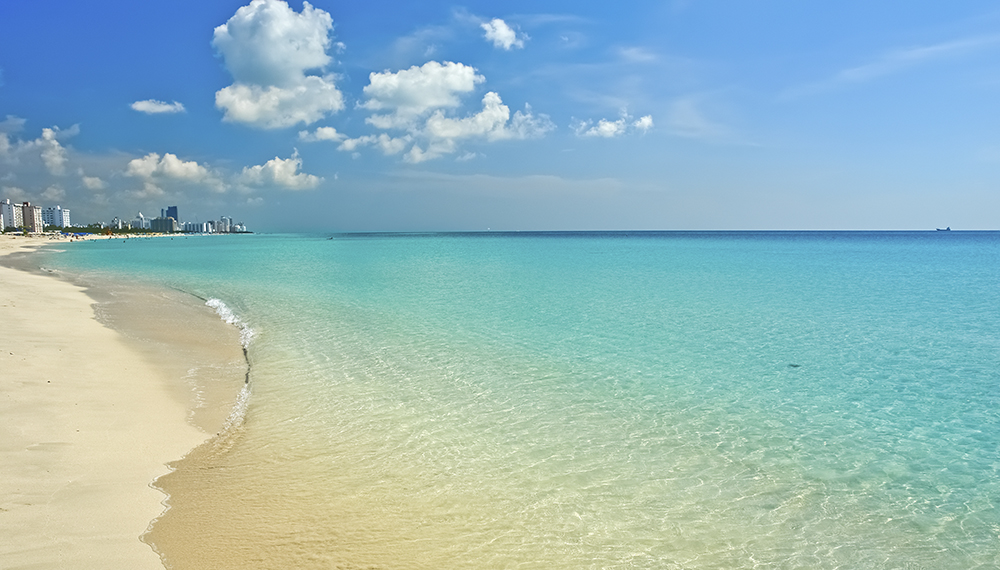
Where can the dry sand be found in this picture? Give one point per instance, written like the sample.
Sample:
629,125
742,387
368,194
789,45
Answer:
87,422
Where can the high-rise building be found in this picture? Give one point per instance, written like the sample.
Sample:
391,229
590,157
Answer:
164,225
32,218
11,214
140,222
172,213
56,216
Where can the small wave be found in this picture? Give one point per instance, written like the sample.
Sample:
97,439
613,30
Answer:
239,412
227,314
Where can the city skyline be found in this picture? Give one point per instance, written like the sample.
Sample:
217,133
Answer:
35,218
683,114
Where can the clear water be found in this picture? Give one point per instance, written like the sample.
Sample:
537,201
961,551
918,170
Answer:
594,400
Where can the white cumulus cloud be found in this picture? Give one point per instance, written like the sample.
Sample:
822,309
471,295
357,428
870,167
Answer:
606,128
502,35
421,101
492,123
168,166
93,182
154,107
268,48
411,93
387,144
644,123
50,151
53,153
283,172
322,134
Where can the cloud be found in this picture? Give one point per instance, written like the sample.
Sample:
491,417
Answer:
686,119
268,48
502,35
14,193
322,134
604,128
283,172
637,55
275,107
53,193
12,124
92,182
149,190
154,107
411,93
893,62
418,101
388,145
490,123
169,166
611,129
53,153
644,123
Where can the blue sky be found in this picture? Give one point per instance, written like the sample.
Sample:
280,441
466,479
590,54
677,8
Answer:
344,116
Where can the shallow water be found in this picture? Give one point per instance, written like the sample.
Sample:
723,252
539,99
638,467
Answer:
593,400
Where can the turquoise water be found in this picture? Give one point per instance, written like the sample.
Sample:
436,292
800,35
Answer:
597,400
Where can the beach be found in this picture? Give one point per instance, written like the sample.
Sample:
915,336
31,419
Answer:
89,418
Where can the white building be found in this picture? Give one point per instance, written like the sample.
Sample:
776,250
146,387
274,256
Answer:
56,217
11,214
140,222
197,227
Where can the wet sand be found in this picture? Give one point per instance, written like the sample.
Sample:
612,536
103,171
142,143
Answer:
101,387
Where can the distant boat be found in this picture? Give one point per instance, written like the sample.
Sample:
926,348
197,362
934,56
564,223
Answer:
948,229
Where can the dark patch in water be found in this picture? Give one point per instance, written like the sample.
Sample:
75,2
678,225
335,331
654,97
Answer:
794,365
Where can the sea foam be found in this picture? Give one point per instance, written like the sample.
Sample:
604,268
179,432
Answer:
227,314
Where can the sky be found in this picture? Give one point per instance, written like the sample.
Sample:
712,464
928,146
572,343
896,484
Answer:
474,116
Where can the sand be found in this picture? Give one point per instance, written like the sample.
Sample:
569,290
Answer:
87,423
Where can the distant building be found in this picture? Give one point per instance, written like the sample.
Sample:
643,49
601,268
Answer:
197,227
163,225
117,224
172,213
31,217
140,222
56,216
11,214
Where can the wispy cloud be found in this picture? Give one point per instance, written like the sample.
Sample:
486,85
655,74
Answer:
154,107
686,119
637,54
895,61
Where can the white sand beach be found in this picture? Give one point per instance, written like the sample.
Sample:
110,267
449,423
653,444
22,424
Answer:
87,422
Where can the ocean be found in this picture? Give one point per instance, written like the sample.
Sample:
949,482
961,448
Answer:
668,400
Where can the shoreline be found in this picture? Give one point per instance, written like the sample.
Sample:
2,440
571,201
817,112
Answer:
98,398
